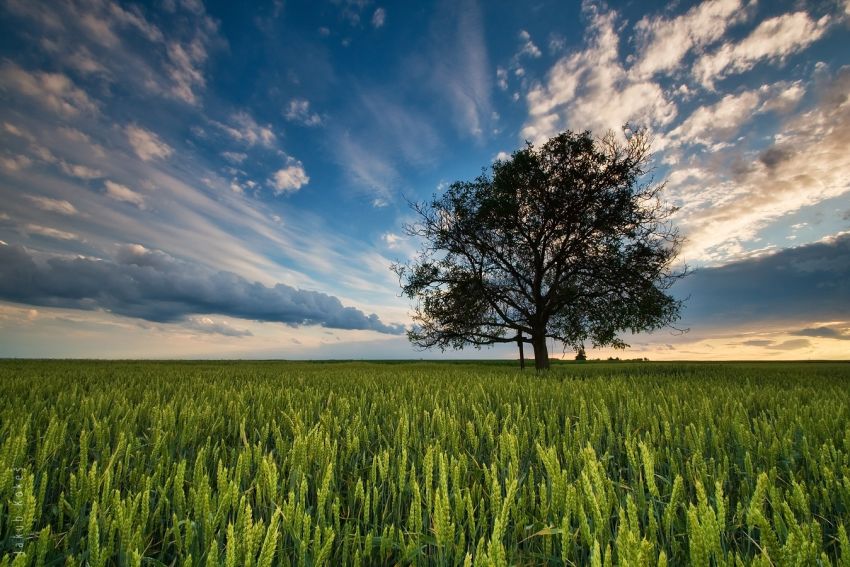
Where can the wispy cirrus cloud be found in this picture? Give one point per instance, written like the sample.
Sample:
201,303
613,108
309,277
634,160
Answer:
459,65
60,206
50,232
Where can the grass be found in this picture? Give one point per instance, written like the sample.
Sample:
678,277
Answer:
284,463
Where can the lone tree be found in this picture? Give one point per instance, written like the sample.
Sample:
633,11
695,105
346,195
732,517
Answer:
569,240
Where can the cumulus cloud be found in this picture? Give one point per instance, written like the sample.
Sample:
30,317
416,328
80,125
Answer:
664,42
147,144
773,40
290,178
154,286
123,193
592,89
717,122
53,90
708,123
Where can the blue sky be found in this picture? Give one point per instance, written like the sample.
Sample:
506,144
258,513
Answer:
180,178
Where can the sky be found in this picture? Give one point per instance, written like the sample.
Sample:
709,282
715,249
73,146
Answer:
188,179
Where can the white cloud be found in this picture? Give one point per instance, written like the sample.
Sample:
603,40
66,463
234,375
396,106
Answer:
391,239
53,90
146,144
15,131
502,156
379,17
80,171
50,232
77,136
290,178
502,78
367,169
208,325
53,205
807,163
527,48
123,193
591,89
708,123
663,43
99,30
557,43
716,123
185,61
132,17
243,128
83,61
234,157
299,111
773,40
460,67
788,97
15,162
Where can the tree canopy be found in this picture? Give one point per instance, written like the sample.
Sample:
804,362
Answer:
569,240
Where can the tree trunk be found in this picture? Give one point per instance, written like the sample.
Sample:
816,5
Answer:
541,353
521,351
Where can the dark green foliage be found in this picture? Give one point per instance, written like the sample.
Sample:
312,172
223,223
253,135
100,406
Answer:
568,240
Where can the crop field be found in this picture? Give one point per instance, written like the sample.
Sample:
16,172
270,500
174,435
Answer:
284,463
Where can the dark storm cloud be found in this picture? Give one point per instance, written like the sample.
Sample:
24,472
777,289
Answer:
152,285
806,283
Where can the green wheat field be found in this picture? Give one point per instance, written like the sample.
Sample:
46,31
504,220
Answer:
285,463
